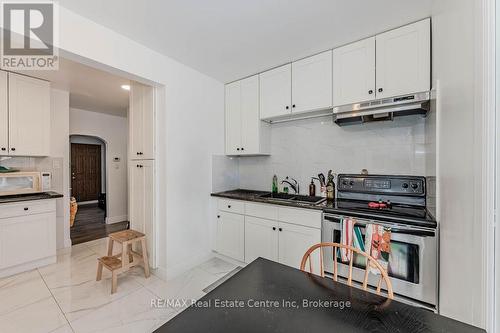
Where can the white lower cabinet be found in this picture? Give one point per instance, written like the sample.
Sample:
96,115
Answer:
261,231
231,235
261,239
27,236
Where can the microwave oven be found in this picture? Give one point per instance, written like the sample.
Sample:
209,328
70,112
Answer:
23,183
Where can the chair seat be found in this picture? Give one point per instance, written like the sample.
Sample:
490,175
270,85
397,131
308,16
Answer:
111,263
125,235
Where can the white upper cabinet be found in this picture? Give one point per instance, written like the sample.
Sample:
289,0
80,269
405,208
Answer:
4,114
403,60
312,83
29,116
141,122
246,134
276,92
354,72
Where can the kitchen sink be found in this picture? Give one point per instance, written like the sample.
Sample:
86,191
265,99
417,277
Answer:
293,198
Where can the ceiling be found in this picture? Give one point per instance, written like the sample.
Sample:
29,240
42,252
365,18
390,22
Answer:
231,39
89,88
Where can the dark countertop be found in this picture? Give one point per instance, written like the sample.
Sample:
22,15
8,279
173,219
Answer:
29,197
326,206
255,196
287,290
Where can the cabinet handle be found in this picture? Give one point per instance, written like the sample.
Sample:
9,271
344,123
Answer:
274,228
26,208
287,107
380,89
370,91
280,229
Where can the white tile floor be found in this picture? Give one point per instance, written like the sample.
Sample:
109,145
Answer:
65,298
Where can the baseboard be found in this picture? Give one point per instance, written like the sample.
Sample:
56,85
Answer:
27,266
160,272
116,219
83,203
67,243
177,269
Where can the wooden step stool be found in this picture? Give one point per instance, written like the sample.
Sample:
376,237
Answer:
128,258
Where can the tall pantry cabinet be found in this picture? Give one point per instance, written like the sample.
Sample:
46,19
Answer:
142,164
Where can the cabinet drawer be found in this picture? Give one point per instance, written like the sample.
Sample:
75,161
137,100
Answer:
232,206
305,217
264,211
27,208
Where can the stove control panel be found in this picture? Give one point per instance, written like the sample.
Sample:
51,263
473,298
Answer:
396,185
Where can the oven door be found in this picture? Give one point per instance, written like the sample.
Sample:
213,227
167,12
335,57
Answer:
412,262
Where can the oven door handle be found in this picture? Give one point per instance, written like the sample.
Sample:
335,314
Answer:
397,229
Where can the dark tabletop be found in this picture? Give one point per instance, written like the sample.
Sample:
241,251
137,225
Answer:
348,309
29,197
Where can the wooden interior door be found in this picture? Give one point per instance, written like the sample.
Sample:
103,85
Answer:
85,171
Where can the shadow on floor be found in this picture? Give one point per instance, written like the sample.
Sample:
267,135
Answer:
90,225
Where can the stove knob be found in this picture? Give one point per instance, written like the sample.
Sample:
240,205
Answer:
414,186
351,183
405,185
344,182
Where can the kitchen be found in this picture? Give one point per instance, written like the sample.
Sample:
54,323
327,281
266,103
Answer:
391,143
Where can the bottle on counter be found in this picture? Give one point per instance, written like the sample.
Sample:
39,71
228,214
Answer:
330,186
275,184
312,188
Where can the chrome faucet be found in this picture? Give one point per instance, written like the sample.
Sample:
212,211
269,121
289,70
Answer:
295,186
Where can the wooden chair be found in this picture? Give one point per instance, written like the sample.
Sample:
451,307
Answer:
128,258
369,260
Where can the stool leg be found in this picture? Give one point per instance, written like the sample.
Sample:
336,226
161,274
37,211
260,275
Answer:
110,247
145,257
125,261
130,256
99,271
114,282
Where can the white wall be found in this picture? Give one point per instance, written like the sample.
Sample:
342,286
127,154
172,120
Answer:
113,130
462,271
190,127
302,149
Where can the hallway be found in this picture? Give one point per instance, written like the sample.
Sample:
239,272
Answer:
90,224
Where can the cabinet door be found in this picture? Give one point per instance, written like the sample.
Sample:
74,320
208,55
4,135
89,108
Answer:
231,235
142,202
312,83
250,120
276,92
233,118
294,241
354,72
27,238
29,116
403,60
4,114
261,239
141,122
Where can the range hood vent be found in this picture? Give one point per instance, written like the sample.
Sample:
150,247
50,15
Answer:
382,109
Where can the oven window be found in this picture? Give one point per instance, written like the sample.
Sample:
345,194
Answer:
403,260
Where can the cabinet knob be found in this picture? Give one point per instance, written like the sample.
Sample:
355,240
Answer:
228,206
370,91
137,153
380,89
218,216
287,107
293,105
13,149
238,149
4,149
280,229
274,228
26,208
242,148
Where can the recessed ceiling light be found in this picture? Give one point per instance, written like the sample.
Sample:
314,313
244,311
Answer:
125,87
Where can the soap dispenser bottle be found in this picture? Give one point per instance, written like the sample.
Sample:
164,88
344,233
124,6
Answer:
312,188
275,184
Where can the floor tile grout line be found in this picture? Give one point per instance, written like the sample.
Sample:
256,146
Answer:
55,300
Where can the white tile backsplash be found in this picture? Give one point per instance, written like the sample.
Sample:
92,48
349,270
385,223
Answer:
302,149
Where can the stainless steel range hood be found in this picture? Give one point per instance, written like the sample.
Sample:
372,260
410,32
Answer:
382,109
